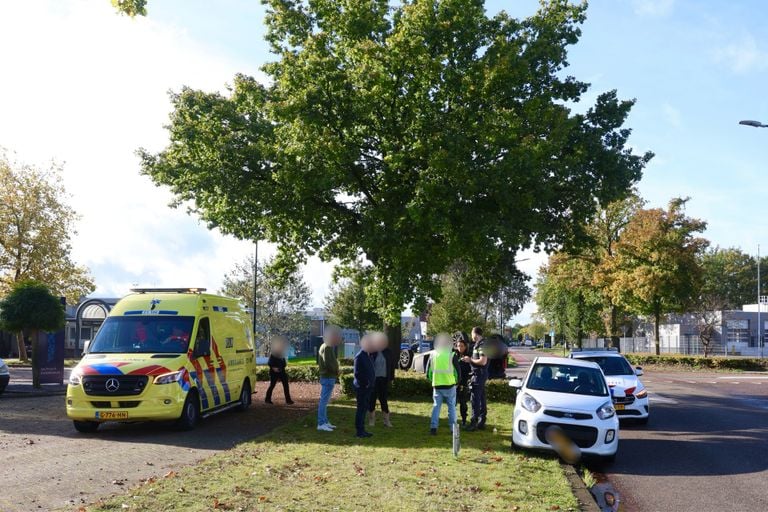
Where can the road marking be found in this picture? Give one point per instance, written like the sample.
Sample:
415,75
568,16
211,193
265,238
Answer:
661,399
746,377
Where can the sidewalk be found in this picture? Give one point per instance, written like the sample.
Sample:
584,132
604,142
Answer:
20,385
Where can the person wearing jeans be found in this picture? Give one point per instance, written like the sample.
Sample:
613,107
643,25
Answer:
444,372
329,372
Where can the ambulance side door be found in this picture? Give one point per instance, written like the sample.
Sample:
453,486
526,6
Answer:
205,377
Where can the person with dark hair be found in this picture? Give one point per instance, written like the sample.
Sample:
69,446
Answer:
385,373
478,362
365,380
461,347
277,365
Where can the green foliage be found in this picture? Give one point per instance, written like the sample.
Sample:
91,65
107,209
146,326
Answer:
348,302
131,8
36,226
730,276
31,306
301,373
396,131
656,269
281,300
415,386
455,311
699,362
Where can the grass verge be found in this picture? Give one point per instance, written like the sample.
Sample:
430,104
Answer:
15,363
297,468
303,361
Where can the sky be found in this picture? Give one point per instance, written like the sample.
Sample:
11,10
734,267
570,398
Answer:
86,87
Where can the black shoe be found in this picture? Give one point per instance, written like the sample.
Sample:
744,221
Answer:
433,431
471,427
364,434
481,426
268,401
289,402
463,422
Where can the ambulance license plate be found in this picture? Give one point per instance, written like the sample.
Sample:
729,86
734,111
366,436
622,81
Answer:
111,415
618,407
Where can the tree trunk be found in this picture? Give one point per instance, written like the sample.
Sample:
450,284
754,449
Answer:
656,330
614,328
21,347
35,360
395,336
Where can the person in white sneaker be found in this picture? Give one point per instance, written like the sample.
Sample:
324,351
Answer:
329,372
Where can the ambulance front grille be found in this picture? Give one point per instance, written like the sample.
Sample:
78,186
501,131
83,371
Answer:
114,385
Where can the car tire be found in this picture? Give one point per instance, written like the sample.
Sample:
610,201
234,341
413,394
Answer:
86,427
608,459
245,397
405,360
190,412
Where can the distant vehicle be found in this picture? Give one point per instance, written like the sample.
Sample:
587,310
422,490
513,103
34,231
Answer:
620,374
571,395
5,376
411,351
164,354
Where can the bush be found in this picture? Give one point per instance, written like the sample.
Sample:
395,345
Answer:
306,373
411,385
698,362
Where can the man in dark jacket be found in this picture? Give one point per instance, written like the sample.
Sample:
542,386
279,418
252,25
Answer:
365,380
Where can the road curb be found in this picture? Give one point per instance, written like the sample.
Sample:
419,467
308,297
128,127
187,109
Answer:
586,500
10,392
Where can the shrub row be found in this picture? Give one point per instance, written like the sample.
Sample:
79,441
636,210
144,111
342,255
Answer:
411,385
715,363
308,373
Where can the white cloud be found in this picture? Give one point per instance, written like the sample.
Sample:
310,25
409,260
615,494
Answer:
744,55
672,115
653,7
86,86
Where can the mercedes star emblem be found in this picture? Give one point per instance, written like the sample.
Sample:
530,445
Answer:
112,385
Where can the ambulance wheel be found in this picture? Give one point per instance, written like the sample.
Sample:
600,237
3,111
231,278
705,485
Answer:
86,427
245,397
190,413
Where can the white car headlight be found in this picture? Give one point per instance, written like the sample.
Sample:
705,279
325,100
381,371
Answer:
606,411
4,368
169,378
529,403
642,393
75,378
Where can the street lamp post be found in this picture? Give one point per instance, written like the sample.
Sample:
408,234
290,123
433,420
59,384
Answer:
757,124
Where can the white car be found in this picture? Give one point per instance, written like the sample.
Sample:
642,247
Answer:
620,374
5,375
570,394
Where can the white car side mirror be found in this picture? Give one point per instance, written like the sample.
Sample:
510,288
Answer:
638,371
516,383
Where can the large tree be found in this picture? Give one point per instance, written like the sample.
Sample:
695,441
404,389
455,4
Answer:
282,298
730,276
656,269
36,227
349,303
30,306
455,310
397,131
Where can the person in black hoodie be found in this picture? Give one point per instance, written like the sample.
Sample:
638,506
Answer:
365,381
461,347
277,364
385,373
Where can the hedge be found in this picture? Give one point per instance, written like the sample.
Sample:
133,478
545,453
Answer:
309,373
698,362
412,385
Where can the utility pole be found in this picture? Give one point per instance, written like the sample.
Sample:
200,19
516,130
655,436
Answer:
255,285
759,300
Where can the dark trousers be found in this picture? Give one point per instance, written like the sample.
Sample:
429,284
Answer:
363,400
479,404
282,376
462,398
380,391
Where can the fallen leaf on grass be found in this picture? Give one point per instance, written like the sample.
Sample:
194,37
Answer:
497,484
554,507
263,499
497,459
359,469
170,474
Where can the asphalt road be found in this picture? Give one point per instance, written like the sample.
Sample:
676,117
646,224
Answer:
704,448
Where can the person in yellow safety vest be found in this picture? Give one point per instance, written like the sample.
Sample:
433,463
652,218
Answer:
444,372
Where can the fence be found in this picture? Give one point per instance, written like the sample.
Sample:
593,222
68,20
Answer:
686,344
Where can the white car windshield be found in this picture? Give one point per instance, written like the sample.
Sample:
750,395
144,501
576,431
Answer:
565,378
611,365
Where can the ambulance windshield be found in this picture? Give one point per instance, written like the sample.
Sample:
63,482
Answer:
143,335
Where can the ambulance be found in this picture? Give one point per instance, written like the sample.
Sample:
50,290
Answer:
165,354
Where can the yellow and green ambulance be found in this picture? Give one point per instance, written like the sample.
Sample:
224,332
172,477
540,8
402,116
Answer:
165,354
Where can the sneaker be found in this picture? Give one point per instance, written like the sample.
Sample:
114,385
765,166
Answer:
364,434
329,425
324,428
433,431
